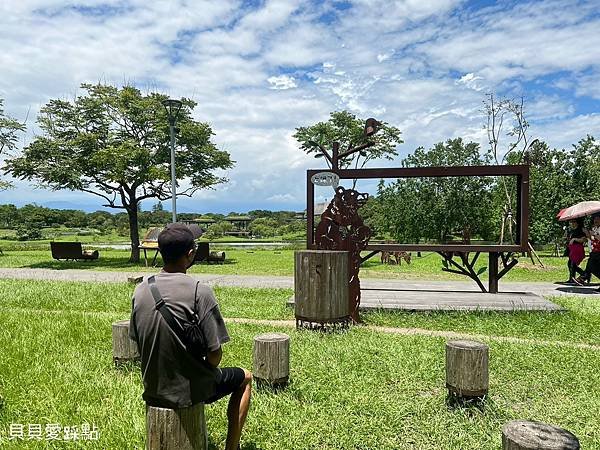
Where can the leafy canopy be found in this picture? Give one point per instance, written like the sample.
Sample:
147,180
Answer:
345,128
9,134
414,209
114,143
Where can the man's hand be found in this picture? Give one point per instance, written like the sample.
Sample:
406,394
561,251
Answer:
214,358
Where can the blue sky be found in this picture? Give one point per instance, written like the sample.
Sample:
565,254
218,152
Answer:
258,69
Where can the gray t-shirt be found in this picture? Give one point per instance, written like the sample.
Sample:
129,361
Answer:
172,377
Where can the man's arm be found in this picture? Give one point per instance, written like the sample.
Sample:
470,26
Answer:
214,358
132,331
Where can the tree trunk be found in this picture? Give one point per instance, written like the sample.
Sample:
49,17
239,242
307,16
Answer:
467,368
321,288
134,233
271,359
176,429
124,348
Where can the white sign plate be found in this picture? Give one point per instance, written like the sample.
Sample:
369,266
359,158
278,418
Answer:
325,179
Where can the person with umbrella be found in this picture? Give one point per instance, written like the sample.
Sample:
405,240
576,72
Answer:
578,211
576,237
593,264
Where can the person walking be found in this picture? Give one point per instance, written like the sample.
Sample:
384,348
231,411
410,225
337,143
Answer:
178,372
576,238
593,264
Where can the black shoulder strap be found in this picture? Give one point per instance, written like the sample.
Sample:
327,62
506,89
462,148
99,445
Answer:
161,308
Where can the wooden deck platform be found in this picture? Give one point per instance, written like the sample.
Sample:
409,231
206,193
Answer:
379,295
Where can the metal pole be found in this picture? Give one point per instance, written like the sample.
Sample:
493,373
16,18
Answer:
173,187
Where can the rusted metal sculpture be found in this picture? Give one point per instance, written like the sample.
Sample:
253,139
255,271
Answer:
497,253
320,239
342,228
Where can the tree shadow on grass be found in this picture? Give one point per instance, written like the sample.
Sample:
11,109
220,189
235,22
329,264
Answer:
102,262
112,262
227,262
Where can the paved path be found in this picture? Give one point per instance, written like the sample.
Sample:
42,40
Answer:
377,293
539,288
268,281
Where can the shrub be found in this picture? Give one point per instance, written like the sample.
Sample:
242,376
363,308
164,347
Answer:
29,232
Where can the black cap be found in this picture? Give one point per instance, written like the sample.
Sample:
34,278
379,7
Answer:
176,240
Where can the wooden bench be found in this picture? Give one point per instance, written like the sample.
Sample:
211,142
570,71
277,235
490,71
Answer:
203,253
72,250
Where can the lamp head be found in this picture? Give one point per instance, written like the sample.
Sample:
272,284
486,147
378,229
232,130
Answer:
173,107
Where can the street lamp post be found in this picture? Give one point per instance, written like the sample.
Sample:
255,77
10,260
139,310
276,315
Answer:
173,107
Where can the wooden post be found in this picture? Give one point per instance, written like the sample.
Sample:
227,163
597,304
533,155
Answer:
271,359
467,368
176,429
124,349
525,435
321,288
493,273
134,279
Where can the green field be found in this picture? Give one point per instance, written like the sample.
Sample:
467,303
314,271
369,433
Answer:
281,262
362,389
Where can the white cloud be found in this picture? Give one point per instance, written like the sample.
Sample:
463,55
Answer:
282,198
282,82
422,66
470,80
382,57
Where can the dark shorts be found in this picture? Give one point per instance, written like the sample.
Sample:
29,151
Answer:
230,381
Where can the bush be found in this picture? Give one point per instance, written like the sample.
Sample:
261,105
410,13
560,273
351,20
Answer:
29,232
217,230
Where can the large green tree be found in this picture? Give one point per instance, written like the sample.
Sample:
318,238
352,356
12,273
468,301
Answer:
584,168
9,134
114,143
348,130
414,209
549,188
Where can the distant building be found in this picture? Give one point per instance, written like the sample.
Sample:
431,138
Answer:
202,222
240,225
319,208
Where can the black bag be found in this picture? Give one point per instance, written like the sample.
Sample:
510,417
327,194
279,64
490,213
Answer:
191,334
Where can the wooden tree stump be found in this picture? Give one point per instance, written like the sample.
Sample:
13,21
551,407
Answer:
124,349
176,429
467,368
526,435
321,289
271,359
135,279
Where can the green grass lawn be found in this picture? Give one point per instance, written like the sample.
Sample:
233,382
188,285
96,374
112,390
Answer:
281,262
357,390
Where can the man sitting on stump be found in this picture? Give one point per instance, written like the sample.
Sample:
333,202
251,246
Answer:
175,375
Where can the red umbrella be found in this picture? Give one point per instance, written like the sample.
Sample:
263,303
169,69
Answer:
579,210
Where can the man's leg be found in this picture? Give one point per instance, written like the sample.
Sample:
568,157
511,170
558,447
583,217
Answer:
593,266
237,411
587,275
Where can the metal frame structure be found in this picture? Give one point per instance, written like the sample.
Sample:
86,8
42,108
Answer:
497,252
